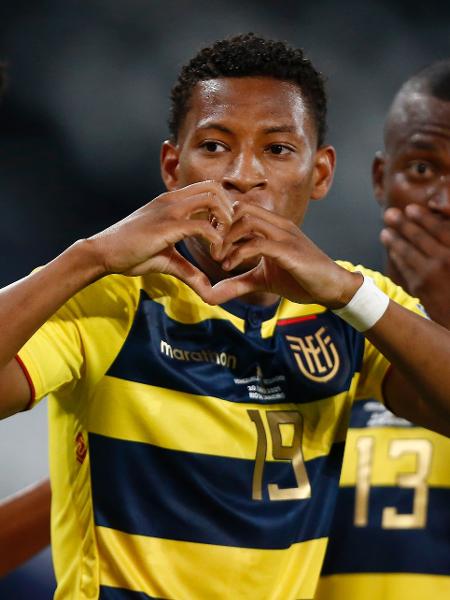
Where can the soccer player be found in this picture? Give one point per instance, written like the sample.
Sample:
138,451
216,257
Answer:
24,517
391,534
202,354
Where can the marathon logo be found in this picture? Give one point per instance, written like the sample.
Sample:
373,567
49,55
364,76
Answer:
222,359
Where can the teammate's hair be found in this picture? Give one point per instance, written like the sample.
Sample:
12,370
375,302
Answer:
432,80
249,55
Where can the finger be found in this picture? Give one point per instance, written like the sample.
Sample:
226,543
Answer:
205,230
176,230
205,206
408,273
248,208
209,185
435,224
219,199
227,289
171,262
188,273
255,247
179,230
414,233
402,251
249,226
251,219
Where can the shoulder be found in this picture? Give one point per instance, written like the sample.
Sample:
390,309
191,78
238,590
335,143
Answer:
119,297
386,285
111,296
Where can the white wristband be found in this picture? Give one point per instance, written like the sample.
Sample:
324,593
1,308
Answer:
366,307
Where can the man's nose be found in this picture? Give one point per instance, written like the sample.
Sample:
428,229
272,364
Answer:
244,173
439,195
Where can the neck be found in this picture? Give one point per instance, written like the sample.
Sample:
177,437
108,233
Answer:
215,273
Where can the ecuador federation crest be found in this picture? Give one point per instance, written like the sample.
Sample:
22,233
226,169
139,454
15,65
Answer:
316,355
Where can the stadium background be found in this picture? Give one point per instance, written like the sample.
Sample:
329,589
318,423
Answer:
82,122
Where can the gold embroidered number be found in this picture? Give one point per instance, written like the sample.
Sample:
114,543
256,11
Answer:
286,429
391,519
364,446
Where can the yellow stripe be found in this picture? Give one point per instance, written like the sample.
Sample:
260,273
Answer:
182,304
173,569
289,310
389,586
207,425
385,469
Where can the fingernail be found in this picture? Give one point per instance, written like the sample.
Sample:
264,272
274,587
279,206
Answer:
393,215
413,210
385,236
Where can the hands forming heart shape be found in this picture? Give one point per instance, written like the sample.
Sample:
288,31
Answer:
287,263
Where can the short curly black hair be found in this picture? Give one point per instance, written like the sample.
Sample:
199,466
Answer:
433,80
249,55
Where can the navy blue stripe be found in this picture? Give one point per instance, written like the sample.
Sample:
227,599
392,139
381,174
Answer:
162,352
110,593
146,490
370,413
372,549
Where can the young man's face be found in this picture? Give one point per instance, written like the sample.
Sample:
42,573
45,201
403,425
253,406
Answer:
253,135
416,164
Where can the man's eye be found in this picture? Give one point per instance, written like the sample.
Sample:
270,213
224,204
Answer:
278,149
213,147
420,168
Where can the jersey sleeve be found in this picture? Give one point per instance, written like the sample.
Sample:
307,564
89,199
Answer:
375,365
79,342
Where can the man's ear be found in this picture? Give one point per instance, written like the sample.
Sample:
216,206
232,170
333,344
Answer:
323,171
378,166
169,162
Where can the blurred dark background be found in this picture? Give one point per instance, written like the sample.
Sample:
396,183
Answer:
85,113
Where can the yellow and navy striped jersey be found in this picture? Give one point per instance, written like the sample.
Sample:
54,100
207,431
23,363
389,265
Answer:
390,537
195,450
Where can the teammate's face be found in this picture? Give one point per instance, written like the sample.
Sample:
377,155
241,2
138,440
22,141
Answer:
254,136
416,165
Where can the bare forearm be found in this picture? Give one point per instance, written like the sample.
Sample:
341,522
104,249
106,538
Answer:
24,525
420,350
26,304
141,243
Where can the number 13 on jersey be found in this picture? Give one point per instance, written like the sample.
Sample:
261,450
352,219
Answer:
422,450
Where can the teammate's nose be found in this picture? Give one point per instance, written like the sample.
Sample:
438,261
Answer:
439,197
245,173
